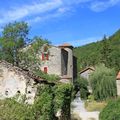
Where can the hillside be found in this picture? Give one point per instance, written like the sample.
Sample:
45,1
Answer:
106,51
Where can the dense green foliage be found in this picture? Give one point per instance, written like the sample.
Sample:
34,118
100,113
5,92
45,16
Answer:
13,38
105,51
111,111
48,102
63,94
12,110
43,107
50,78
103,83
28,56
82,85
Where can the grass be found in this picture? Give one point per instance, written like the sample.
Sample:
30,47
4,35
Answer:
94,105
75,116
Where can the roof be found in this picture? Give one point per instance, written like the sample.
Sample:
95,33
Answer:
118,76
88,68
66,45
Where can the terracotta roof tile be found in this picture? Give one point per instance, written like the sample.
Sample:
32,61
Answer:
65,45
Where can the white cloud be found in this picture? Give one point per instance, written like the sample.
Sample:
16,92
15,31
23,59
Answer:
17,13
43,10
99,6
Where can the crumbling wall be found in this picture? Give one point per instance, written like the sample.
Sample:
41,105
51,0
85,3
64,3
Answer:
14,81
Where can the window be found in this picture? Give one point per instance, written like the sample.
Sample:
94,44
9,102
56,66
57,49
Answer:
42,56
45,56
45,70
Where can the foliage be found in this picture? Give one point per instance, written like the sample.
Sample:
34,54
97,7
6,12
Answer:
44,107
52,77
96,53
48,101
13,38
111,111
82,84
63,100
28,56
103,83
12,110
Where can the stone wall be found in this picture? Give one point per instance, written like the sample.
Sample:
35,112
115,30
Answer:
118,87
14,81
54,63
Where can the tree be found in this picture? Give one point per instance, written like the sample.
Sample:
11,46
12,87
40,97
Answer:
14,36
105,52
29,56
103,83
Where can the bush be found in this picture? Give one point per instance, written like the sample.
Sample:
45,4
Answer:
12,110
111,111
103,83
63,100
82,85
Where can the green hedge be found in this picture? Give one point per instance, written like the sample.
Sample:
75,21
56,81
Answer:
111,111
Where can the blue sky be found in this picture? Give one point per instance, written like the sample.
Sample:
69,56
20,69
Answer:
77,22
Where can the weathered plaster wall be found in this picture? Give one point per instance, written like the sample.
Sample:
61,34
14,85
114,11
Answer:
86,74
13,81
118,87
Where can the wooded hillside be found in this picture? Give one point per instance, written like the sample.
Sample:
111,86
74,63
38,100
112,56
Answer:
106,51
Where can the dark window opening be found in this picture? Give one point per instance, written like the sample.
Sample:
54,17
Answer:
18,91
6,92
29,92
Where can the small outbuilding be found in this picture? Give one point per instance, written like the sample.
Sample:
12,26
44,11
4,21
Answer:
118,83
85,73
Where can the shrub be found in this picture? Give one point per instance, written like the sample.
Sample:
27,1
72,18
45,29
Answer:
111,111
63,100
12,110
103,83
82,84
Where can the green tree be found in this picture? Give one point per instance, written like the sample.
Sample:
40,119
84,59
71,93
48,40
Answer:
13,38
28,56
105,52
103,83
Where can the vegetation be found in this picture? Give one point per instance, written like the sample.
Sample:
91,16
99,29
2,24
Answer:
105,51
48,102
63,100
12,110
50,78
82,86
94,105
14,36
111,111
50,98
103,83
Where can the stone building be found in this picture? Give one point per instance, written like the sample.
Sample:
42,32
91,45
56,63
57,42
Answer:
118,83
86,74
14,81
58,61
